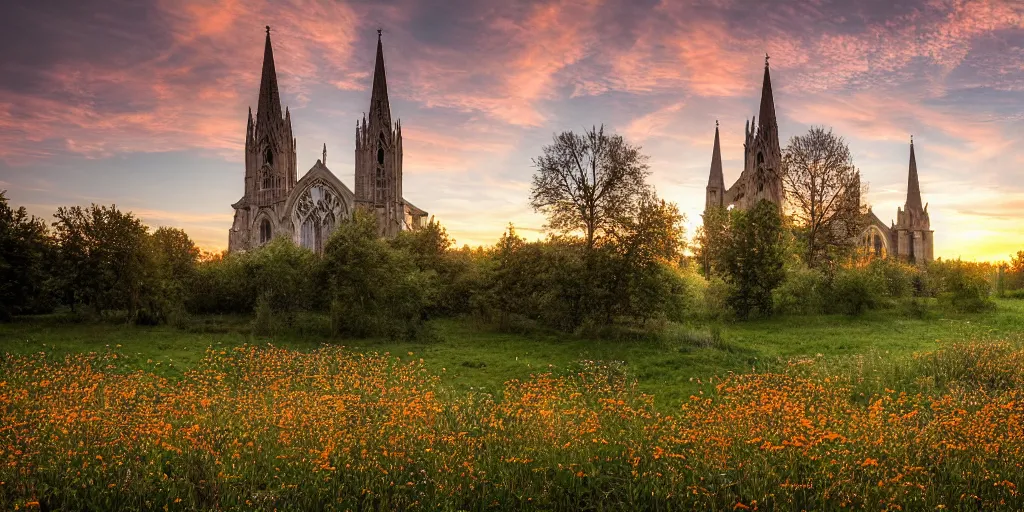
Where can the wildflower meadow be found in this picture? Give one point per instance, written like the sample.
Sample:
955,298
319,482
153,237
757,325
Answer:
266,428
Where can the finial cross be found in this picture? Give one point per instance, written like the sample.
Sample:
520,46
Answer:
378,33
268,29
766,57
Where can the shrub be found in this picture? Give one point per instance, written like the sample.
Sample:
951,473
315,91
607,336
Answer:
853,291
800,292
963,287
896,278
375,289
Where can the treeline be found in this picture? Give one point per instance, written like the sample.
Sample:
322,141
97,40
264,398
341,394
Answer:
615,257
100,261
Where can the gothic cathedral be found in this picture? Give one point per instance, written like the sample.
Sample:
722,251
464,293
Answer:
276,204
909,238
762,158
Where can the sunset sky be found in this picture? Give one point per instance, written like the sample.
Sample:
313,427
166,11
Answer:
143,103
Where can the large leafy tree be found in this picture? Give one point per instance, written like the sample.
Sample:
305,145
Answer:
588,183
753,258
375,289
711,239
104,258
24,254
823,190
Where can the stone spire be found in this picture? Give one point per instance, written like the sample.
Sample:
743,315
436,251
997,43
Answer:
380,109
716,179
269,107
767,112
913,186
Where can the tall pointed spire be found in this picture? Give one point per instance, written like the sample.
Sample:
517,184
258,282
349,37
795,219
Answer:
767,111
380,108
913,186
716,179
269,107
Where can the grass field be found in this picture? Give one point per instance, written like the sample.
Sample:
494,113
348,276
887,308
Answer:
106,417
468,356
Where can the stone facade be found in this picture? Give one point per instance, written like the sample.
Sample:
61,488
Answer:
762,161
276,204
910,238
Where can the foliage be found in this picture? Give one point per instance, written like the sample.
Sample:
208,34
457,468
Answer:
802,292
279,277
365,431
963,286
853,291
711,240
25,256
823,190
588,183
1015,272
375,289
456,272
753,259
104,259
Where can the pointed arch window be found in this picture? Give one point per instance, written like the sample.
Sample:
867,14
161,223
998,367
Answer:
268,157
317,212
265,232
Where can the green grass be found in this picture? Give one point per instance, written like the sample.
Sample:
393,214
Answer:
470,356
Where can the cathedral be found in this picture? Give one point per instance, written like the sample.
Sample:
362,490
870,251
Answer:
277,204
909,238
762,160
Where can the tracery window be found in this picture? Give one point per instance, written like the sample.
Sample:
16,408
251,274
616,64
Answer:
268,157
317,212
265,233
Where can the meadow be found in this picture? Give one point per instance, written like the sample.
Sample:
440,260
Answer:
468,356
882,411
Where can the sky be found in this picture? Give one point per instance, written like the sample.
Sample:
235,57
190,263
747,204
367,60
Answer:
143,103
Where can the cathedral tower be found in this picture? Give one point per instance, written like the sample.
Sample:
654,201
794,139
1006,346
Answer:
378,176
716,181
762,159
269,164
912,234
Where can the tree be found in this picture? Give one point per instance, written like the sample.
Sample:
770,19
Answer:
375,289
24,252
823,189
753,258
711,239
103,258
1015,272
588,182
454,272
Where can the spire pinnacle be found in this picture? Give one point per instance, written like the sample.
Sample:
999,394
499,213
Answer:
716,178
325,154
913,185
767,111
380,108
269,106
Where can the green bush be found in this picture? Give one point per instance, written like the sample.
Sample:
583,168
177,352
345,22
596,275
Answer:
374,288
897,279
801,292
963,286
853,291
